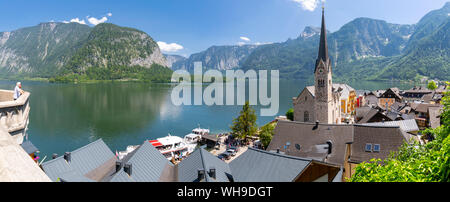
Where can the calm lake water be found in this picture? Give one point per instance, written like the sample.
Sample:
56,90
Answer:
65,117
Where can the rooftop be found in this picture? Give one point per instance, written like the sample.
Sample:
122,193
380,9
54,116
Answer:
89,163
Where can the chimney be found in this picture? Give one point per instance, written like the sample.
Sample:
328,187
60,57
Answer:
278,150
118,166
54,156
128,168
212,172
330,146
201,174
67,156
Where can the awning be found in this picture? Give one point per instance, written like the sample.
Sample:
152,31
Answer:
155,143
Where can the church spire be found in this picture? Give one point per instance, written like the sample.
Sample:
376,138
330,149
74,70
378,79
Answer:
323,47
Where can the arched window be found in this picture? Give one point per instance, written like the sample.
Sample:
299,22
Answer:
306,116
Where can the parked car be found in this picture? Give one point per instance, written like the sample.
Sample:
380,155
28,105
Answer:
233,148
232,152
224,156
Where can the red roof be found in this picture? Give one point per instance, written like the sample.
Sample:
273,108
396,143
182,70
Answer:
155,143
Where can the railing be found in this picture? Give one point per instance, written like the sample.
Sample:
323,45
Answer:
14,114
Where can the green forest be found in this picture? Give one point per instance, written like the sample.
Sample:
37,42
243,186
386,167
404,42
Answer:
156,73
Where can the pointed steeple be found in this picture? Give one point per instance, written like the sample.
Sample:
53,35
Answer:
323,47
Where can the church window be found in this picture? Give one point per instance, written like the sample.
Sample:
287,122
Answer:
306,117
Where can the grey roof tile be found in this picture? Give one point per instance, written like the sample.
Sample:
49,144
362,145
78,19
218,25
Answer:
262,166
147,165
202,159
83,161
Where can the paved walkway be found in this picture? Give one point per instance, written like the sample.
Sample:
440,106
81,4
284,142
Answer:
223,148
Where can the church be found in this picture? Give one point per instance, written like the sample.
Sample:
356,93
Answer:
324,101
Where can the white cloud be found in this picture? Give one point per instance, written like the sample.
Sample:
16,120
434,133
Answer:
309,5
245,38
109,14
172,47
77,20
96,21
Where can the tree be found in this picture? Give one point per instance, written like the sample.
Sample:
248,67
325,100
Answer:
290,114
432,85
414,162
245,124
266,134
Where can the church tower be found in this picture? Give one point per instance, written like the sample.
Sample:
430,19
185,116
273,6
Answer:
324,103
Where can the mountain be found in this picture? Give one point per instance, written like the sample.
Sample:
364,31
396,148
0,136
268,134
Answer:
217,57
40,50
173,59
109,45
429,57
366,49
429,23
361,38
50,49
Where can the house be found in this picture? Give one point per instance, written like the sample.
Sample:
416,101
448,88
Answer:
144,164
202,166
435,116
312,140
409,127
422,114
415,93
371,98
256,165
90,163
374,115
210,140
328,143
389,97
371,142
361,112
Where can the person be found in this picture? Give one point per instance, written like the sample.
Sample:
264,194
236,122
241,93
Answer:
18,91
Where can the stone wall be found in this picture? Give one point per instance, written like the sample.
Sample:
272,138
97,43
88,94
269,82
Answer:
15,164
14,114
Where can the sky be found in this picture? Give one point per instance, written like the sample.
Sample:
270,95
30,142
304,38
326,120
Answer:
184,27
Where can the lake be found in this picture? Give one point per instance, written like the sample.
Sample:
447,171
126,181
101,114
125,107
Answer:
64,117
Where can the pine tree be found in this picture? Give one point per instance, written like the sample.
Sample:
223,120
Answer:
245,124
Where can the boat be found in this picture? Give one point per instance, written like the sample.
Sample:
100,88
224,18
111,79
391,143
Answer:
171,146
200,131
130,149
191,140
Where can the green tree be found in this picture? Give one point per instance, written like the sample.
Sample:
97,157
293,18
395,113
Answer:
414,162
245,124
290,114
432,85
266,134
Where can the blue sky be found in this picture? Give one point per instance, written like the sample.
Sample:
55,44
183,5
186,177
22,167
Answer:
196,25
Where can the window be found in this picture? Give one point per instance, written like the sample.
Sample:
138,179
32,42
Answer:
321,83
368,147
306,116
376,148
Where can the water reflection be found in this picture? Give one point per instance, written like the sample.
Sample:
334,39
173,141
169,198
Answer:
64,117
